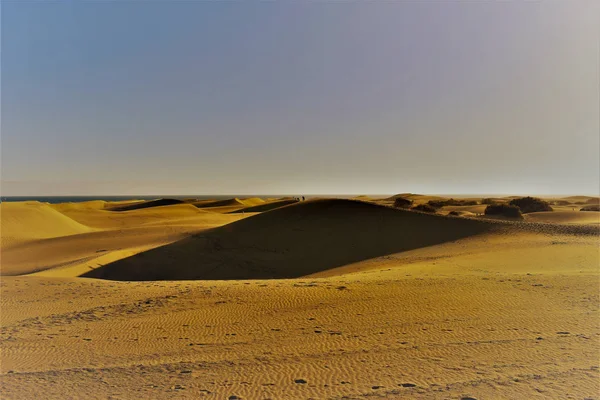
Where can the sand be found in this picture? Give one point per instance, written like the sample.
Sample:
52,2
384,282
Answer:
23,222
318,299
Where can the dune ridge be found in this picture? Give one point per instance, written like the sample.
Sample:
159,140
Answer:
248,202
387,303
293,241
24,221
146,204
267,206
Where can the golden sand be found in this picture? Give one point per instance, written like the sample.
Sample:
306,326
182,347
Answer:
278,299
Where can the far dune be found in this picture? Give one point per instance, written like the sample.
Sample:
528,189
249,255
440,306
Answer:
267,206
27,221
146,204
564,217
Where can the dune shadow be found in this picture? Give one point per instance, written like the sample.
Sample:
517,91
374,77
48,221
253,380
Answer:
146,204
291,242
265,207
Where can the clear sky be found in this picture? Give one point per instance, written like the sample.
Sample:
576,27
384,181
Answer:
194,97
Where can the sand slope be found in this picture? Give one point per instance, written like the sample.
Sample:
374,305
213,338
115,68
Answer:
34,235
146,204
105,219
293,241
564,217
380,334
399,304
267,206
249,202
24,221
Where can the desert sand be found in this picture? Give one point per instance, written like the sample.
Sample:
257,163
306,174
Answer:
278,299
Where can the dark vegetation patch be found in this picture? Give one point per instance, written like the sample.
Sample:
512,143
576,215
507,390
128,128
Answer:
425,208
530,204
401,202
451,202
590,208
504,210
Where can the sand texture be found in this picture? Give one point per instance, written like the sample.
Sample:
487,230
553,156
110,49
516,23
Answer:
279,299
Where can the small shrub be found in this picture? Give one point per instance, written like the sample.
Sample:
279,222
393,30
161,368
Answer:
488,201
451,202
455,213
401,202
590,208
425,208
504,210
531,204
561,203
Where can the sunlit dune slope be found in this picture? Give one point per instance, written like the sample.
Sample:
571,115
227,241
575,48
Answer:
293,241
80,206
564,217
23,221
115,235
106,219
267,206
582,199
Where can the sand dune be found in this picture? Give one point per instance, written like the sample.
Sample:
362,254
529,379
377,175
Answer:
105,219
84,205
25,221
416,198
249,202
477,209
564,217
460,213
292,241
146,204
267,206
591,199
116,234
390,304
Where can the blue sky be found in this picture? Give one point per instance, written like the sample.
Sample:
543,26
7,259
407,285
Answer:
196,97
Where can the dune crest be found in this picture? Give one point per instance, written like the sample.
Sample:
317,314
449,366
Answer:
25,221
266,206
293,241
146,204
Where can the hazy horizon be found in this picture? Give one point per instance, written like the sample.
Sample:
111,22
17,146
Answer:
321,98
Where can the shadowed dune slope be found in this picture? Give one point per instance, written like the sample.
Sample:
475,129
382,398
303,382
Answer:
146,204
291,242
249,202
23,221
266,207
